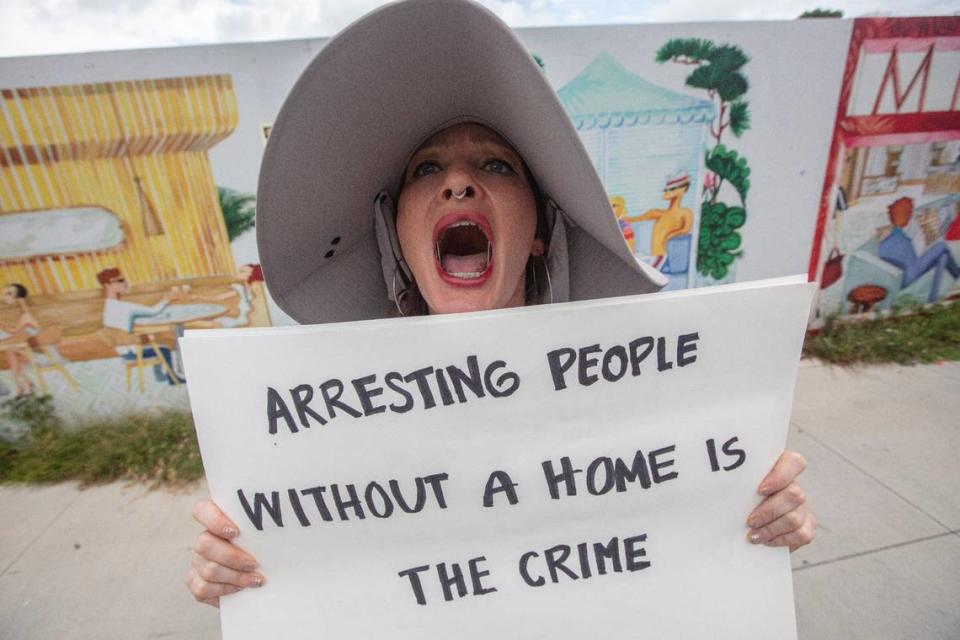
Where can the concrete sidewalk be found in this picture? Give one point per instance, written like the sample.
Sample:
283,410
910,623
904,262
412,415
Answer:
883,445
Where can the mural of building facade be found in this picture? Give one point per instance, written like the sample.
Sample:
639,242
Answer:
888,231
113,235
127,180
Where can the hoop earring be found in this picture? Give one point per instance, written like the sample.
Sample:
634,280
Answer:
407,297
403,294
534,294
546,271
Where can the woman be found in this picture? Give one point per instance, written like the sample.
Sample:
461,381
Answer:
23,329
437,106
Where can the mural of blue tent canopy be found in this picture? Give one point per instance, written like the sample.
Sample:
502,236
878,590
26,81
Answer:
647,143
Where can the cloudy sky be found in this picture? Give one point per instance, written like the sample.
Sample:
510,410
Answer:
34,27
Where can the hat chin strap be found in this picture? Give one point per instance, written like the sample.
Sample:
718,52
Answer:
398,278
396,274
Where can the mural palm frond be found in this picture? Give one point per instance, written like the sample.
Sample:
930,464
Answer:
739,117
729,57
707,77
685,49
239,211
732,85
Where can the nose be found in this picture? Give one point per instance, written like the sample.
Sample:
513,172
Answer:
459,183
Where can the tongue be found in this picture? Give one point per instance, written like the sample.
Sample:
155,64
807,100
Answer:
475,263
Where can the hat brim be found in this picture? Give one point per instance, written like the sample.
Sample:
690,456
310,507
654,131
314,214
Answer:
359,109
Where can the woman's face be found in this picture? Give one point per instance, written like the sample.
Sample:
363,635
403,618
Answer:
466,220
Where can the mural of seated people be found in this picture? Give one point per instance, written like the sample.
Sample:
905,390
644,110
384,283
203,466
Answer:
670,237
912,259
14,338
28,347
894,237
898,249
146,334
134,339
248,288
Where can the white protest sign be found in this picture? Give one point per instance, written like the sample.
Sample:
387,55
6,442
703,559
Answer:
576,470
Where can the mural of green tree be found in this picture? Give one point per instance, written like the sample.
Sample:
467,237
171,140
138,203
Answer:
718,72
239,211
822,13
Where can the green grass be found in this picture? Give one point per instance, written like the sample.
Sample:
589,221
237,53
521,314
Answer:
158,449
923,334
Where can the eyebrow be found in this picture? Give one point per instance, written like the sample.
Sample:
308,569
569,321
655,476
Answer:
433,146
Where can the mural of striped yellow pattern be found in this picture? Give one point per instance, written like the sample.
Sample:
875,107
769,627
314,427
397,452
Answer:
92,145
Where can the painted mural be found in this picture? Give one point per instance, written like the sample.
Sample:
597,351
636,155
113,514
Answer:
127,179
662,158
114,238
888,231
718,70
646,143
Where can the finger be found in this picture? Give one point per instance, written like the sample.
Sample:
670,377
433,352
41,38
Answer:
213,520
776,505
789,465
798,537
218,550
213,572
787,523
203,590
213,602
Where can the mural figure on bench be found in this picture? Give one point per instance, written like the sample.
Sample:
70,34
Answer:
897,248
675,221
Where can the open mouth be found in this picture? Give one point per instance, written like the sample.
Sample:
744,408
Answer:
463,249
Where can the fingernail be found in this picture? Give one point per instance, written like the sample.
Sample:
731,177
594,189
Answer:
752,522
755,538
256,580
765,490
229,532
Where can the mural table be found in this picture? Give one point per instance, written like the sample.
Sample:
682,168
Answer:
179,314
170,320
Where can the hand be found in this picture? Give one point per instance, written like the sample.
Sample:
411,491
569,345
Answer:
783,518
218,568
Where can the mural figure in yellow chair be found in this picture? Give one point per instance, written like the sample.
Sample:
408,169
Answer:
675,220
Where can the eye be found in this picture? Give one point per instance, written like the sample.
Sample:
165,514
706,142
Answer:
497,165
425,168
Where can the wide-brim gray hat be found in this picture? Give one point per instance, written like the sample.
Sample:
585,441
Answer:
372,95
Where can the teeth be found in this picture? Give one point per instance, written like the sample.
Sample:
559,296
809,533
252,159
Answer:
464,275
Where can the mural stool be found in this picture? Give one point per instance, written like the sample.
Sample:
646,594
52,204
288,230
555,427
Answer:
864,297
45,357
